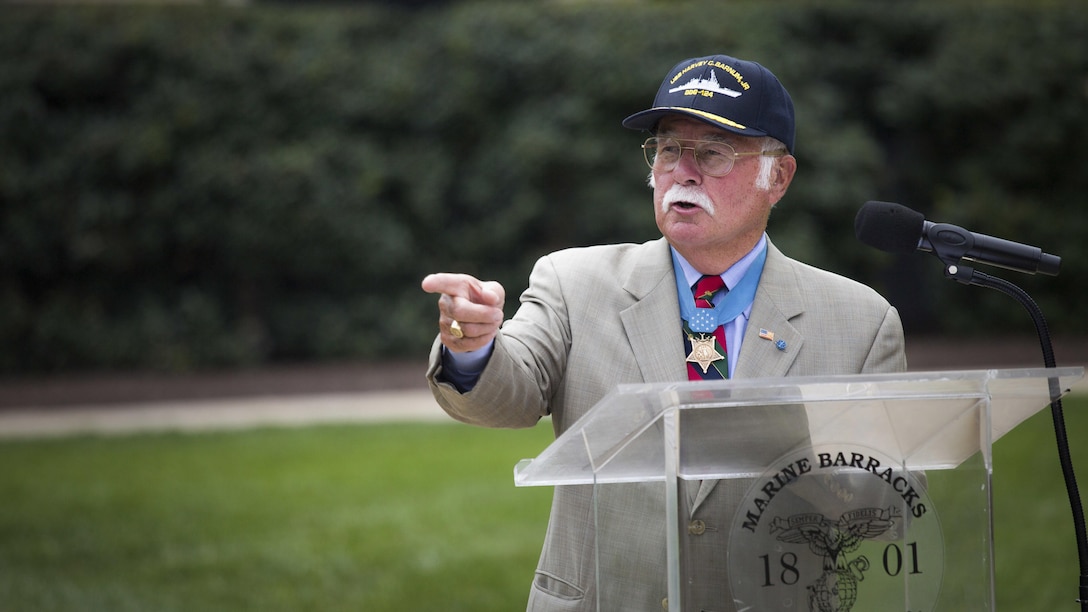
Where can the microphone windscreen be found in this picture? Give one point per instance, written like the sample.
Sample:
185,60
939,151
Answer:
889,227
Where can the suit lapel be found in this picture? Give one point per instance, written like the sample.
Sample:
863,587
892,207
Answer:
660,354
775,304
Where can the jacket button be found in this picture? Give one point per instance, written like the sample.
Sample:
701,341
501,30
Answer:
665,604
697,527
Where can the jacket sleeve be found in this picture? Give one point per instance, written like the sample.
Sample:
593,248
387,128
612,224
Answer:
525,367
888,351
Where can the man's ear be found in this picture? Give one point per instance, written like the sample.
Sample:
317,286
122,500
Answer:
782,175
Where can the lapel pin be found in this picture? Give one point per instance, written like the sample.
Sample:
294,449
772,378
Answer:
769,335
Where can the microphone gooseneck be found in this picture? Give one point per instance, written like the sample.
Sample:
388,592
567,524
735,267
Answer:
1057,416
897,229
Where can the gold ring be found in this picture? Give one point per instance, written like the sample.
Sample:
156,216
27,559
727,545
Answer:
455,329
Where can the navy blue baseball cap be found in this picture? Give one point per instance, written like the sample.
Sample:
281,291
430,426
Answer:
735,95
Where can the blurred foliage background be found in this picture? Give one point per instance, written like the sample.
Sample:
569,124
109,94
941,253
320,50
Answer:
209,186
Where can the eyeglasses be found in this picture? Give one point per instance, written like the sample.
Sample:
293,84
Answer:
712,157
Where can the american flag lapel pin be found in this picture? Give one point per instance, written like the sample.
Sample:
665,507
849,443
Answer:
769,335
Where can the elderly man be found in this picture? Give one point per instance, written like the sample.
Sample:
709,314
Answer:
684,307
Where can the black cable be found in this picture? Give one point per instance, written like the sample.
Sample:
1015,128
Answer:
974,277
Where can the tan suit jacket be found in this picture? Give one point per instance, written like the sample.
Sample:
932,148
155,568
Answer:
600,316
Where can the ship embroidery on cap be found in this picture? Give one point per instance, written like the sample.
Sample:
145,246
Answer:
710,84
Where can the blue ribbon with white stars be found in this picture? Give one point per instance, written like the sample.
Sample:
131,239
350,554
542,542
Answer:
736,300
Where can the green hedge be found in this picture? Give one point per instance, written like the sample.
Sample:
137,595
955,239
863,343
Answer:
204,186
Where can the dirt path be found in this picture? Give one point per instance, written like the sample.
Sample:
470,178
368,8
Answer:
341,392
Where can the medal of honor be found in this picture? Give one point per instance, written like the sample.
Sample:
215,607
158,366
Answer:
700,324
703,351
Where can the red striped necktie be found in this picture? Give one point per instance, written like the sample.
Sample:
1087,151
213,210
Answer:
707,357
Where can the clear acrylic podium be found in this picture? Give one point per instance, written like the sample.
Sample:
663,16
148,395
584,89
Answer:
844,493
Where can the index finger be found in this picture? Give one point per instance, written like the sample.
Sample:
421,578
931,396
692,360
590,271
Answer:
455,285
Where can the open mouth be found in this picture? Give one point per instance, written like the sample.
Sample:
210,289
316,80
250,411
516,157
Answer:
687,199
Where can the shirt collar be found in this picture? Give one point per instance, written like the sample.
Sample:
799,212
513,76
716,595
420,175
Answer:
731,276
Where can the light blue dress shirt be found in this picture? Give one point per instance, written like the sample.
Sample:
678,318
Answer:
734,330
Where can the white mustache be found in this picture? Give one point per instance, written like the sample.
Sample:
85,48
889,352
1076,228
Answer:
687,193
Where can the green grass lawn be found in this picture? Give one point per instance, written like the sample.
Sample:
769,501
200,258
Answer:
379,517
1036,554
389,517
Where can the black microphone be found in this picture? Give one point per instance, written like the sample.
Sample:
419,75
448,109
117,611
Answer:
897,229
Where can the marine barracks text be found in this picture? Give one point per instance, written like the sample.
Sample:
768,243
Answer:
835,462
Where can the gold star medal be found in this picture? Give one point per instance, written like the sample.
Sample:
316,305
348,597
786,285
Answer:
703,351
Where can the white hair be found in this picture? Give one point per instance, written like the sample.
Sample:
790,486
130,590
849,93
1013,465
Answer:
763,179
766,162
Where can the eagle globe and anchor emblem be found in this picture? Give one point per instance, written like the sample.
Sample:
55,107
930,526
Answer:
836,590
817,533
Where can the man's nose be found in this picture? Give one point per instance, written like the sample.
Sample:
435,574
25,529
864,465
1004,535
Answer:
687,168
